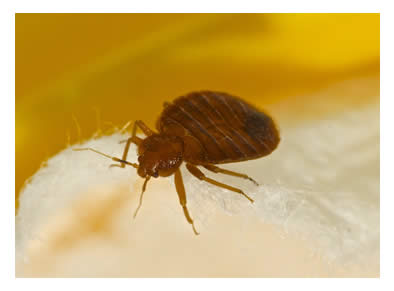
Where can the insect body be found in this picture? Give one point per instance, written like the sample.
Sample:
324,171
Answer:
202,129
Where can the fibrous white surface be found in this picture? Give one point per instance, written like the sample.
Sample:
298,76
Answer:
316,211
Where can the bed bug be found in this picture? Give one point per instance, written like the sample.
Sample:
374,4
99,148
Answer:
201,129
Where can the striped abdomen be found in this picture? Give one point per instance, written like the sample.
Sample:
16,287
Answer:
226,128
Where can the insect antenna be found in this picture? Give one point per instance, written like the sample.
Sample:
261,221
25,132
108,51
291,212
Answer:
108,156
142,194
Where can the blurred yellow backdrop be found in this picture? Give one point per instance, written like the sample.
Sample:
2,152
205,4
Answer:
126,65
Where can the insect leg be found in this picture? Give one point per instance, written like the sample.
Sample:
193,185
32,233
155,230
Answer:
134,139
200,175
180,188
227,172
145,129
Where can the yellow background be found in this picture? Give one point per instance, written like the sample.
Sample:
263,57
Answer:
126,65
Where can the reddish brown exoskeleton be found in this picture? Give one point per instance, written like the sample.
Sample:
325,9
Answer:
202,129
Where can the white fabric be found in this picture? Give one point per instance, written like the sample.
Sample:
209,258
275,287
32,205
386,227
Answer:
321,187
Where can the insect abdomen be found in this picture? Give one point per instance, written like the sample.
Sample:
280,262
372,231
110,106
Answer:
227,128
